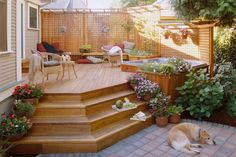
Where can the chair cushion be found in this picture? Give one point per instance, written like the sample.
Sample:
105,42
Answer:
115,50
49,48
107,47
51,63
41,48
128,45
83,61
121,45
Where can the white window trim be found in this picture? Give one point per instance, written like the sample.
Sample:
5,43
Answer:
8,29
35,7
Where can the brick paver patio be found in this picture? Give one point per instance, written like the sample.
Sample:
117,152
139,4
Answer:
152,142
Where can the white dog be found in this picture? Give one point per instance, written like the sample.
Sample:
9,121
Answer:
181,135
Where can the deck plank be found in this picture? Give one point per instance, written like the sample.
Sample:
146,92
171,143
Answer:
90,77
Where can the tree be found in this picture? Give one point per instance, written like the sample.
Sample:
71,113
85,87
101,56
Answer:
134,3
223,11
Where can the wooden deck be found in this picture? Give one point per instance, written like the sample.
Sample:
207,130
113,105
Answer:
90,77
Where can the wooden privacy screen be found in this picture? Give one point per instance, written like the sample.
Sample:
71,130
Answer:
74,28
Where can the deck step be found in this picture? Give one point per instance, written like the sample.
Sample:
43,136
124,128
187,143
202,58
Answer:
82,108
98,140
73,125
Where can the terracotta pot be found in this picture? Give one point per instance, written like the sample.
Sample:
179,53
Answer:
174,119
161,121
15,137
147,97
33,101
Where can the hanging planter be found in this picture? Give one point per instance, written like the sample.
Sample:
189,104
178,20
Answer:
184,33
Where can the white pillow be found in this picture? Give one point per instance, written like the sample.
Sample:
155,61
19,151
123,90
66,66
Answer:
94,59
115,50
128,45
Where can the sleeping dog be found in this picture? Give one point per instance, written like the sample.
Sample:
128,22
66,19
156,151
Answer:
181,135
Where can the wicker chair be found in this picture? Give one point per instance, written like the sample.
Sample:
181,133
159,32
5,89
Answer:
51,63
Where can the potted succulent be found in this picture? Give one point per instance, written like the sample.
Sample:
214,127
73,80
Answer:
175,113
85,48
135,79
14,128
28,93
22,109
167,34
146,89
158,106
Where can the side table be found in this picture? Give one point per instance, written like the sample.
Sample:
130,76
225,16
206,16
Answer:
69,65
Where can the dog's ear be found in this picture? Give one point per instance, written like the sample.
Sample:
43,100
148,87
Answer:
204,133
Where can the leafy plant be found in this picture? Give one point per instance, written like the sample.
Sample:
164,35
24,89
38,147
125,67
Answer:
159,104
225,46
219,10
167,69
136,78
151,67
27,91
12,125
146,87
136,52
4,147
128,26
231,104
135,3
199,95
86,47
23,109
180,64
173,109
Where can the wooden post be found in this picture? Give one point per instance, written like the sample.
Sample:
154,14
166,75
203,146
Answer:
211,51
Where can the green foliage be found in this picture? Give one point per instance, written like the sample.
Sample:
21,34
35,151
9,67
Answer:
27,91
159,104
231,104
12,125
220,10
136,52
199,95
86,47
225,46
167,69
24,107
135,3
173,109
180,64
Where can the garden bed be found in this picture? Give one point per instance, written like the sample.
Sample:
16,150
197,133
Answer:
133,58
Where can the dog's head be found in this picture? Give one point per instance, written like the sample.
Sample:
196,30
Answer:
205,137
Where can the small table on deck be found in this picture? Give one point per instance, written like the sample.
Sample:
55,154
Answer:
69,64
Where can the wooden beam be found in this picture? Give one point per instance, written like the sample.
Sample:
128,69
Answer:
211,51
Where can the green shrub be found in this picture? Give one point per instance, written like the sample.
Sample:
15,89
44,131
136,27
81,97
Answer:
173,109
167,69
231,105
199,95
225,46
136,52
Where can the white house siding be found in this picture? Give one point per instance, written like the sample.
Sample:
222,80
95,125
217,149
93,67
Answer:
31,35
8,65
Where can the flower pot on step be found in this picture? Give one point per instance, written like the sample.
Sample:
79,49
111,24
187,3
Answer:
161,121
147,97
174,119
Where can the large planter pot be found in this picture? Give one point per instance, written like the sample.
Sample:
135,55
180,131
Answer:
175,119
33,101
161,121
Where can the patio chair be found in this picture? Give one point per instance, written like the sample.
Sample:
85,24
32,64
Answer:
51,63
113,54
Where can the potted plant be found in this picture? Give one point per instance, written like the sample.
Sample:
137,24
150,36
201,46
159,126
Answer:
5,145
159,105
85,48
146,89
22,109
135,79
175,113
14,128
28,93
184,33
167,34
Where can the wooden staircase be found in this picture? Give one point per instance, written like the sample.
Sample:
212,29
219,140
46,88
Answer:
83,122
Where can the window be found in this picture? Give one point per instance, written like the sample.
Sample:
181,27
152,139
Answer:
3,25
33,16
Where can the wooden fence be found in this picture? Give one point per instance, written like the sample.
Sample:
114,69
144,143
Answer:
74,28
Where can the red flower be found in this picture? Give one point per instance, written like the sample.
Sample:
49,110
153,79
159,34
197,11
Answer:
12,116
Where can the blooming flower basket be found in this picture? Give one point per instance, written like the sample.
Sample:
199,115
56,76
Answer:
22,109
13,127
28,93
135,79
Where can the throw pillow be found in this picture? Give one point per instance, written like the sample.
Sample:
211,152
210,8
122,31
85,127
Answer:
128,45
49,47
121,45
115,50
40,48
83,61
